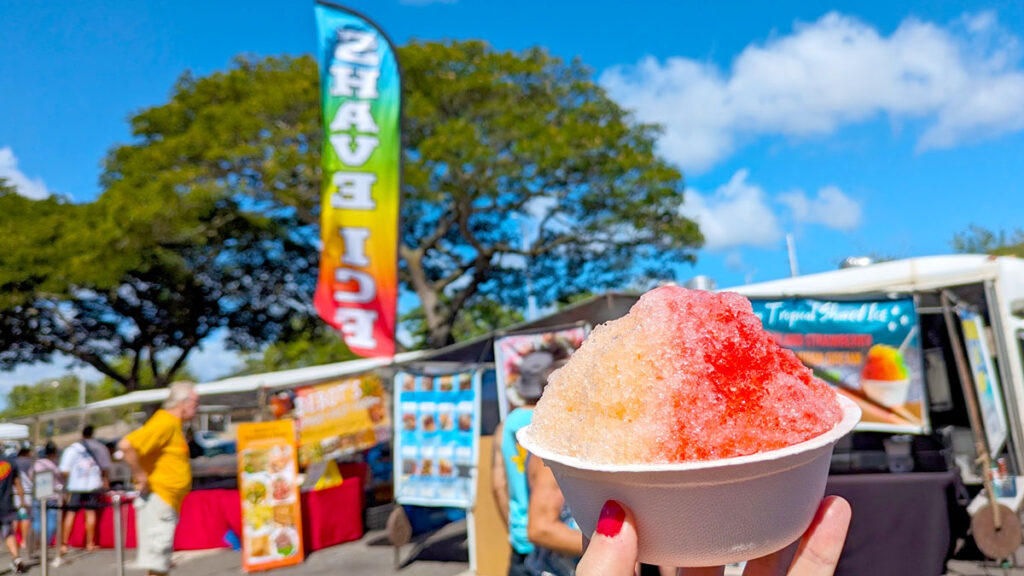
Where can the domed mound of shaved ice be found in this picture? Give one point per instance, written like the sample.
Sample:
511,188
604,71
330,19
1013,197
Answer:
686,376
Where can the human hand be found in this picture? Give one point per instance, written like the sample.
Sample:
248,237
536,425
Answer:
141,482
612,550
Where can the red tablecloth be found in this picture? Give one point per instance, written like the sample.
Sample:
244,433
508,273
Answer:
329,517
332,516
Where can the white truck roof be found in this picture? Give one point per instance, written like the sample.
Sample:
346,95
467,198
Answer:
911,275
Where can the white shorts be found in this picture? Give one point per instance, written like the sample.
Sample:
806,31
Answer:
155,521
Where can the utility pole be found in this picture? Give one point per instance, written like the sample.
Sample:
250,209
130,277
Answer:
794,270
81,403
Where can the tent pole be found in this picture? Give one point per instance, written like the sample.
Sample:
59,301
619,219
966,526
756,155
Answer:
261,403
973,413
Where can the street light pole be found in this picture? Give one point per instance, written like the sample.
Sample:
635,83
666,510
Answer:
81,403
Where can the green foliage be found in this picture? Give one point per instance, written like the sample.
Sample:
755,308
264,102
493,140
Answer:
147,379
979,240
574,299
500,142
203,224
54,394
209,218
480,318
323,347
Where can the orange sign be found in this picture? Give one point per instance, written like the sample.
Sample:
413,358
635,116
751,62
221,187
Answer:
269,489
340,418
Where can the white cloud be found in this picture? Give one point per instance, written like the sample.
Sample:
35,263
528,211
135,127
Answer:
740,213
830,208
33,188
737,213
963,80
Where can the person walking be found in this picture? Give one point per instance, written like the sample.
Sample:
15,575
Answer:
158,456
85,464
511,488
25,504
48,463
10,487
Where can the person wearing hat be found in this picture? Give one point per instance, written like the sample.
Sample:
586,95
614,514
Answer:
511,486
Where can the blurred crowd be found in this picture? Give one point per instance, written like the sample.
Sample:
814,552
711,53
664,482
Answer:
152,464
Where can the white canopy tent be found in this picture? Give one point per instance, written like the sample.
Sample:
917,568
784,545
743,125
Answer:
240,384
10,431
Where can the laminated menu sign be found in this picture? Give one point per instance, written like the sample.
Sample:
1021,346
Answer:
269,490
986,381
868,349
438,423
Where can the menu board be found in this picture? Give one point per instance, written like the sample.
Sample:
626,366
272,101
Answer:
438,421
986,382
269,490
340,418
868,350
510,350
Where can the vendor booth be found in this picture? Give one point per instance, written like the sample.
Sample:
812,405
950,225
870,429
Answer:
344,415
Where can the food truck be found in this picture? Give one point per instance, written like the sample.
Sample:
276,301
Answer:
984,291
932,349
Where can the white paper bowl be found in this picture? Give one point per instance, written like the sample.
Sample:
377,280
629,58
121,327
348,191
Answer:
889,393
706,513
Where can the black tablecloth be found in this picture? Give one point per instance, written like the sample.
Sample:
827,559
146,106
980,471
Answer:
901,522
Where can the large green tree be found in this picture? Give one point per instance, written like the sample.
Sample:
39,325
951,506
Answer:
185,239
518,171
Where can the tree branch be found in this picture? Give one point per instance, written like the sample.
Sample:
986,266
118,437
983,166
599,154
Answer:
165,379
96,362
153,368
136,363
443,226
481,268
420,284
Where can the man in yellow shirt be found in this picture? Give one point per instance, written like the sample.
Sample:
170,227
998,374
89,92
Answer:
158,456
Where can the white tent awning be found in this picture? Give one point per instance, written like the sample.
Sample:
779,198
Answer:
906,276
10,431
252,383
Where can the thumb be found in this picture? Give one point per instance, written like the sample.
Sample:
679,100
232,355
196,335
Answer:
613,547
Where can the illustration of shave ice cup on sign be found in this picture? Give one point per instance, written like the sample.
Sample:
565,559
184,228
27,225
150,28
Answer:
884,377
688,412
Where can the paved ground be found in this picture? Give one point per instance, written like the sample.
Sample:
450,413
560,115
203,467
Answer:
442,553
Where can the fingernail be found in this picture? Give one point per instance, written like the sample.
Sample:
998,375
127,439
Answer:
612,517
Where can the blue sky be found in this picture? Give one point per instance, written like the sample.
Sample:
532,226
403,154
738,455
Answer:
867,127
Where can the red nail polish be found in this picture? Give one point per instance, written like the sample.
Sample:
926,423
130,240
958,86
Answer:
612,517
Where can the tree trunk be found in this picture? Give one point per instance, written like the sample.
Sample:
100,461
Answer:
439,329
440,335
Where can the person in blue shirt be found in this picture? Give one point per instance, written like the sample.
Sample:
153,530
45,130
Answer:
556,538
509,474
